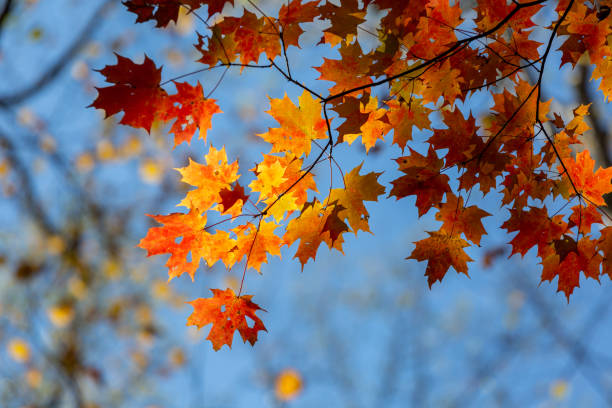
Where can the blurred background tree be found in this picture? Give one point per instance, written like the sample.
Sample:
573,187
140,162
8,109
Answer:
86,320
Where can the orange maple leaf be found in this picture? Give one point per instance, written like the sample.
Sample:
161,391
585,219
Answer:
591,185
314,226
227,313
534,227
209,179
191,110
566,258
441,251
357,189
184,236
459,219
347,72
299,125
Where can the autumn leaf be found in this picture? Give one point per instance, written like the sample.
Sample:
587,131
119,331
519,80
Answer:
591,185
423,179
232,199
403,117
567,260
348,71
136,92
165,11
299,125
458,219
441,251
291,15
192,112
534,227
227,313
357,189
185,236
315,225
274,176
375,126
209,179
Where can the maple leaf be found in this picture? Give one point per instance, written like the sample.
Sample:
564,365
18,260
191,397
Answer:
250,36
585,34
534,227
584,217
347,72
350,109
422,179
461,138
344,20
218,47
591,185
227,313
165,11
435,30
209,179
192,111
403,117
459,219
274,176
603,70
136,92
604,244
374,128
291,15
443,81
299,125
184,236
568,259
233,199
314,226
441,251
357,189
491,12
256,243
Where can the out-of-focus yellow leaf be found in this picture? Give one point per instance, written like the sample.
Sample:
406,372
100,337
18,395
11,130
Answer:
105,150
18,350
161,290
84,162
131,147
4,168
288,385
61,315
150,171
77,287
140,359
144,316
27,117
559,389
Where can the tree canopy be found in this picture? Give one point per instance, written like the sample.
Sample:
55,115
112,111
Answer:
425,66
